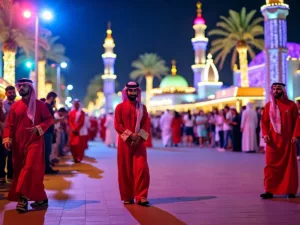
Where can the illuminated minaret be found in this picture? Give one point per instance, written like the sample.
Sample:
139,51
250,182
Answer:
275,13
109,77
199,44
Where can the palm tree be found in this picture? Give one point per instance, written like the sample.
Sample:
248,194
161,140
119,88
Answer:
149,65
239,33
55,53
13,35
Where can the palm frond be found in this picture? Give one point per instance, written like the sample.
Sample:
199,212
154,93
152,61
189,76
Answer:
249,17
237,27
258,43
218,32
256,21
148,64
233,58
251,52
228,21
225,26
256,30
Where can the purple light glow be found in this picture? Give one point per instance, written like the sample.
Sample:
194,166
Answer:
293,52
199,20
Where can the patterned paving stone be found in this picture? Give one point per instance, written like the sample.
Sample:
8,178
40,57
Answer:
188,186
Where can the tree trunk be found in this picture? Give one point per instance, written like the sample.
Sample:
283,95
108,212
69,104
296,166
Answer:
242,50
48,87
9,73
42,79
149,87
9,49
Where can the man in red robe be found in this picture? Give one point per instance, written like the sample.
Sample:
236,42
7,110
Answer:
93,129
176,126
280,129
77,136
131,124
26,123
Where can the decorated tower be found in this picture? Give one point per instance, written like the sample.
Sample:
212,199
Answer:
199,44
209,83
109,77
275,13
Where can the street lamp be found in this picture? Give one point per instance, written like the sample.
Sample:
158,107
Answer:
27,14
58,76
70,87
28,65
63,65
45,15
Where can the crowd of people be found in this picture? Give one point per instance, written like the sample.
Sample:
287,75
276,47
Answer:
35,135
225,129
29,125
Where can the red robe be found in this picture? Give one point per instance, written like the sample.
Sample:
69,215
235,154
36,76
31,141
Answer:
77,141
176,130
102,128
149,140
93,130
281,171
133,170
28,150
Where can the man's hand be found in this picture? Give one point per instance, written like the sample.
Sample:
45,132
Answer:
267,139
75,132
136,143
133,137
32,130
7,146
294,140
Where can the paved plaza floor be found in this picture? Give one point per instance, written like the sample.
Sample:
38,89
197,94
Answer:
188,186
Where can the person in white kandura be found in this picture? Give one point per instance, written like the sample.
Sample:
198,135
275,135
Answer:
248,127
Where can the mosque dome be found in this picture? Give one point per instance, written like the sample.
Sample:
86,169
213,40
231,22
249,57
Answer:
293,52
199,20
174,80
173,84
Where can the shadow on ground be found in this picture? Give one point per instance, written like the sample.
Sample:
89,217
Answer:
157,201
12,217
291,200
71,204
61,182
152,215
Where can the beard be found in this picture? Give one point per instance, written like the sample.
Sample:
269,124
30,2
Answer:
278,95
132,97
23,93
11,98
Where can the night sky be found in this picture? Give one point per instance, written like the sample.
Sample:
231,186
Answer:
159,26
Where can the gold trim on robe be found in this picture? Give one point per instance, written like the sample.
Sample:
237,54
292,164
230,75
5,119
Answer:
6,140
143,134
40,130
126,134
